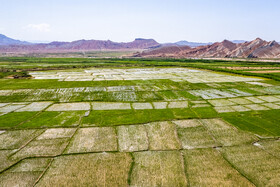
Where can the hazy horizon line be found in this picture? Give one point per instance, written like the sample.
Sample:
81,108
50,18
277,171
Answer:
37,41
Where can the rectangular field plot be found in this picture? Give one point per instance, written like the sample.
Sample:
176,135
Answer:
57,133
200,105
257,165
169,95
264,123
192,135
199,102
54,119
141,106
43,147
126,117
240,101
221,102
235,108
132,138
36,106
205,112
95,139
240,108
255,100
271,105
269,99
183,113
120,96
147,96
226,134
162,136
181,104
110,106
11,120
206,167
98,169
160,105
16,139
256,107
224,109
161,168
69,107
11,108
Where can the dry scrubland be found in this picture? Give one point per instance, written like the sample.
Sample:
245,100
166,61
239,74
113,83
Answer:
139,127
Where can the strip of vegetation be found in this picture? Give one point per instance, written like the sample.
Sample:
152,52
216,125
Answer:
35,64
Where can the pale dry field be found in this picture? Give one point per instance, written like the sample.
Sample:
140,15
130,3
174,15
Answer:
195,152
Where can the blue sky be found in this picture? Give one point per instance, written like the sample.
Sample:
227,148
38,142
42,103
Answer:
124,20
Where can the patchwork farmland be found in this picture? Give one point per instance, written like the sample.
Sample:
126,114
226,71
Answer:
143,123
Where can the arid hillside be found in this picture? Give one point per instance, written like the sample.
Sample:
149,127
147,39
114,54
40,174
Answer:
257,48
79,45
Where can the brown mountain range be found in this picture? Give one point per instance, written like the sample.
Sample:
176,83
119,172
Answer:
79,45
165,51
257,48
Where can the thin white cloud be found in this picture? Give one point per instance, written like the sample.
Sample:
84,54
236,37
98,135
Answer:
42,27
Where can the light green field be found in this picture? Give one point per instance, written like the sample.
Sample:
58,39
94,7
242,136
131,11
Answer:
132,122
